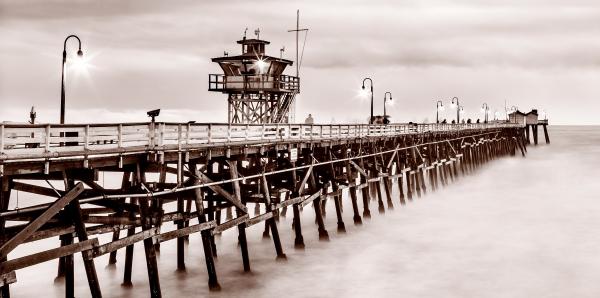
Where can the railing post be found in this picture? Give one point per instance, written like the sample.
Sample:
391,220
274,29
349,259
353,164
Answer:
179,137
47,138
151,134
277,134
187,133
247,128
120,135
262,132
229,133
209,133
86,137
161,132
1,139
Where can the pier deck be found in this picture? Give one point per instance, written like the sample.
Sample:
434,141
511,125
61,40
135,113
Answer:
206,170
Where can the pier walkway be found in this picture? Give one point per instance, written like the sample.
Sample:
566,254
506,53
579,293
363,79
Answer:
211,175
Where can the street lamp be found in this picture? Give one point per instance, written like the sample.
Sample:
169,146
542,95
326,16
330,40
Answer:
485,109
363,87
438,106
62,89
384,100
456,103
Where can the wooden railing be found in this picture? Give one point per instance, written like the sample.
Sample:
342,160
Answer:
219,82
22,141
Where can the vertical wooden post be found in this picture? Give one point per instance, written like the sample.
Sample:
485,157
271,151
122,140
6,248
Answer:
69,272
399,169
146,217
352,190
151,263
129,249
88,261
409,185
213,283
323,234
112,259
341,227
271,221
297,225
5,190
546,134
241,227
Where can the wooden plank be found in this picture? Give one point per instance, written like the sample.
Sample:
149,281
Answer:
218,189
359,169
230,224
185,231
40,190
304,180
289,202
118,244
260,218
310,198
37,223
376,179
47,255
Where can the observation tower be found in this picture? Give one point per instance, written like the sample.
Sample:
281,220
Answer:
257,90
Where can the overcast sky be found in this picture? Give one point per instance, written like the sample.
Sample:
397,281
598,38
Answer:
156,54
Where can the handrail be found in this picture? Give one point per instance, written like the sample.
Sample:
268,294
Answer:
217,82
24,141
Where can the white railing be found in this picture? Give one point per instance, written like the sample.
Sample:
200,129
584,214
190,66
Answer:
22,141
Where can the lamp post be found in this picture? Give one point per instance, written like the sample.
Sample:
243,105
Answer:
485,108
384,100
438,106
458,107
363,87
62,89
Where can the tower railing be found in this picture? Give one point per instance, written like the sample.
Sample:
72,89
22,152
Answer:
43,141
220,82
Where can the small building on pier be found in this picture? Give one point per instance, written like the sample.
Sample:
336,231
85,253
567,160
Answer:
517,117
529,118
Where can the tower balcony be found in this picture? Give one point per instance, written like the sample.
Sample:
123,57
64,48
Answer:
253,83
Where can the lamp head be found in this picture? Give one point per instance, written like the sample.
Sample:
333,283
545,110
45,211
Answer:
363,86
80,53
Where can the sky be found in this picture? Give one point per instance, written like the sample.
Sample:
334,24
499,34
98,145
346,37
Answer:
144,55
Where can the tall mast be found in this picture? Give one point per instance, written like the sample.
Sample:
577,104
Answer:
297,30
297,34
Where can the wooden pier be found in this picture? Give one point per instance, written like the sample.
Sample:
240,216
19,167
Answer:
212,175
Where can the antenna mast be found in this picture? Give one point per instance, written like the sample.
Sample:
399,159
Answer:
297,30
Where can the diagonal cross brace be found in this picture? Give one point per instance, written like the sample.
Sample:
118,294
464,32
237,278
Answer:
218,189
37,223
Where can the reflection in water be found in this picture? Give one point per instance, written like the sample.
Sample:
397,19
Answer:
518,228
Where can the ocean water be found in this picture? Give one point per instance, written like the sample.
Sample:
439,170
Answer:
519,227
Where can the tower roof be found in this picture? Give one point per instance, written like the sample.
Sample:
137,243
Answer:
252,41
249,56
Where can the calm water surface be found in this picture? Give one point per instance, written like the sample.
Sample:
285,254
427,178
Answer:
520,227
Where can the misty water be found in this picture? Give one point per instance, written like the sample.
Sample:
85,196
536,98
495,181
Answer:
519,227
